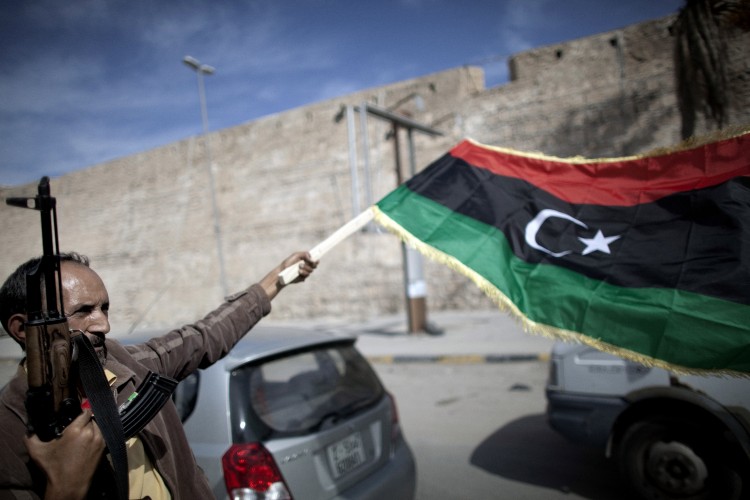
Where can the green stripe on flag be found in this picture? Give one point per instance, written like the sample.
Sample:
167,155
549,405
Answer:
656,326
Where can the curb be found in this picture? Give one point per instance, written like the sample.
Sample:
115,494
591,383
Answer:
457,359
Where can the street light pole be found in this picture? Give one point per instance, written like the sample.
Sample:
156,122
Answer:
200,70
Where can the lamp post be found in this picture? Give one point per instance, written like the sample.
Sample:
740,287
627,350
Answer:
200,70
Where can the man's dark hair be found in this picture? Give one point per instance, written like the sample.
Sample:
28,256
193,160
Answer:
13,291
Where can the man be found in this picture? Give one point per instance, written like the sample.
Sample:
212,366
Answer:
160,462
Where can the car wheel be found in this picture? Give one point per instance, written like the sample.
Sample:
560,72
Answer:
668,458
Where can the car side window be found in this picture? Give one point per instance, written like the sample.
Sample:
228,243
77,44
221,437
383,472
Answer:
186,396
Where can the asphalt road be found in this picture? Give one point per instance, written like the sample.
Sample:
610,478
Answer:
479,431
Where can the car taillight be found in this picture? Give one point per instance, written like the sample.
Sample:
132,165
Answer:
250,472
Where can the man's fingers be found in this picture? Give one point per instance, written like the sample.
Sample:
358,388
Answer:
82,420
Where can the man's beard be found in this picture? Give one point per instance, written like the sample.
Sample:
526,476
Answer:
100,348
102,354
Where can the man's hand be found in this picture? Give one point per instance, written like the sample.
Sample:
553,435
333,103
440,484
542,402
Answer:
70,460
270,282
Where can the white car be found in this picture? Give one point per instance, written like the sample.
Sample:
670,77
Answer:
673,437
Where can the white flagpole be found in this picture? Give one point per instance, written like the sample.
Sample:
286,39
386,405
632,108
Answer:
290,273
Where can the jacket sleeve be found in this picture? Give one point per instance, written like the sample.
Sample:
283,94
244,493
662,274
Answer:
180,352
19,478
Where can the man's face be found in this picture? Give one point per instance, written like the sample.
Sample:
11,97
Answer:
86,304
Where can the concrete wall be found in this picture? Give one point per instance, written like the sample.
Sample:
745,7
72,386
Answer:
285,182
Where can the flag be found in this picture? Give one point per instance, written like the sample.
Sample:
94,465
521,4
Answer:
645,257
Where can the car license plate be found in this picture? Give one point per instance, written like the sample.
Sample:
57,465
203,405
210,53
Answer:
347,454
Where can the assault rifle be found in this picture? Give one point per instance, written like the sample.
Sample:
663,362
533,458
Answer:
49,402
52,351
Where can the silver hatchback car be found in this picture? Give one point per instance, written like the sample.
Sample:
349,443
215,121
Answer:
296,414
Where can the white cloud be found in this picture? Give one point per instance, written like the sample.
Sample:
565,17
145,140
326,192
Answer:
53,14
337,87
520,24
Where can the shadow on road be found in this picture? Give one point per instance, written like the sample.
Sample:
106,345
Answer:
529,451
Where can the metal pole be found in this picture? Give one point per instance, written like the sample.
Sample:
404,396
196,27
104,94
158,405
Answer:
200,70
365,153
416,286
202,96
404,249
352,135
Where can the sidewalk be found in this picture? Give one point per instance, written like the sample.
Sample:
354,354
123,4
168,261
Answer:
467,337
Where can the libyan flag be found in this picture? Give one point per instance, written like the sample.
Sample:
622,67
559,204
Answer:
646,257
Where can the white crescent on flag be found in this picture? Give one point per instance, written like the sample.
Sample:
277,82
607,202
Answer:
598,243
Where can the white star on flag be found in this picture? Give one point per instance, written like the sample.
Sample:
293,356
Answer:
598,242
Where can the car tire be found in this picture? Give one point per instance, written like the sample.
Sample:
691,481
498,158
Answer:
665,458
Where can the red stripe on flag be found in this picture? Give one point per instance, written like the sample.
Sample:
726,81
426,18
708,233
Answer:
618,182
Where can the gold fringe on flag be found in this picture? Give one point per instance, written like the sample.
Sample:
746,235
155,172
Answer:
691,143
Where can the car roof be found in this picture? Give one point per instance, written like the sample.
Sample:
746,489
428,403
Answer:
270,341
264,341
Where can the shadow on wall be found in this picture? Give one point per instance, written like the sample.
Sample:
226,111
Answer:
597,132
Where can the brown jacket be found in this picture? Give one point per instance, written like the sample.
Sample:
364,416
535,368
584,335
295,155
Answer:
176,354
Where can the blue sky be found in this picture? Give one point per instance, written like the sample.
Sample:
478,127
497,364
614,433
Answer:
86,81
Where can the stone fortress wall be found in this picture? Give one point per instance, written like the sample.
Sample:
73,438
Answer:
285,182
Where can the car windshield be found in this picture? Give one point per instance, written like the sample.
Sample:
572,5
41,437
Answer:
303,392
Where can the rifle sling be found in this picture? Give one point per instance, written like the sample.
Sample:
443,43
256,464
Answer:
105,411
